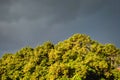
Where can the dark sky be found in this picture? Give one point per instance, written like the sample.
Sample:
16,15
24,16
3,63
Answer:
32,22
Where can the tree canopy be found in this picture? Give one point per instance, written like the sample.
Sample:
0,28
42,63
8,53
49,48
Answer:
76,58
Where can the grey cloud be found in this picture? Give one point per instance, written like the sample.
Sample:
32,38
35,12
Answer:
4,9
30,22
7,35
61,9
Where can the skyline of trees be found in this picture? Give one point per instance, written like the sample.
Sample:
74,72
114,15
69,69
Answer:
76,58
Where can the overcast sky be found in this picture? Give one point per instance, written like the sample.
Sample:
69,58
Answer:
32,22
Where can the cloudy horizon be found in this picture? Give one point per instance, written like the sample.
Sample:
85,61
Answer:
32,22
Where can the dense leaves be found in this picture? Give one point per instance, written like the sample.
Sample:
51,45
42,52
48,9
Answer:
76,58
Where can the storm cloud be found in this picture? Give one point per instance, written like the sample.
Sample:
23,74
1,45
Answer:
31,22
